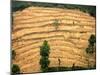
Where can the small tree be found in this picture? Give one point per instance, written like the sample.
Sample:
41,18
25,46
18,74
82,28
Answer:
15,69
56,24
44,52
13,54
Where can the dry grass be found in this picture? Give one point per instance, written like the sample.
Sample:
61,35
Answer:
33,25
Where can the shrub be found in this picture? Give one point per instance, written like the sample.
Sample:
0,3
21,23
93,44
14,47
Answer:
15,69
56,23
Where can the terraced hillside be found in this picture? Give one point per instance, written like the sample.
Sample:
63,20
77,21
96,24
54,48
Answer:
33,25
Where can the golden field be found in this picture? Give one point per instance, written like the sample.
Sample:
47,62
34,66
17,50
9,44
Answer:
33,25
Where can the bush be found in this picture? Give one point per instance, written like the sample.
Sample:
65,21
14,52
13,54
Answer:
15,69
56,24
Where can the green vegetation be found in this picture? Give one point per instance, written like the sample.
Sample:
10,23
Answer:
56,24
44,49
44,62
44,52
15,69
91,46
13,54
91,49
20,5
92,40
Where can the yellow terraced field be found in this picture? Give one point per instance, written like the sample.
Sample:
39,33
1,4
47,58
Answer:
33,25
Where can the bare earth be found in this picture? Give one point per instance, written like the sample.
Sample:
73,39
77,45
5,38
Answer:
33,25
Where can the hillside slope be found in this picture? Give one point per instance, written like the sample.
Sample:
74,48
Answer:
33,25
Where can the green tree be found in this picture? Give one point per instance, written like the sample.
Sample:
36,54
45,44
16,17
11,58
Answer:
15,69
13,54
44,49
44,52
92,41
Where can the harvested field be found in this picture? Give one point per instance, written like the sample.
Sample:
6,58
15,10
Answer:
33,25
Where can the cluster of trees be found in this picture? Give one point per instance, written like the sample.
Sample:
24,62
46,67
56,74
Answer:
44,52
20,5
